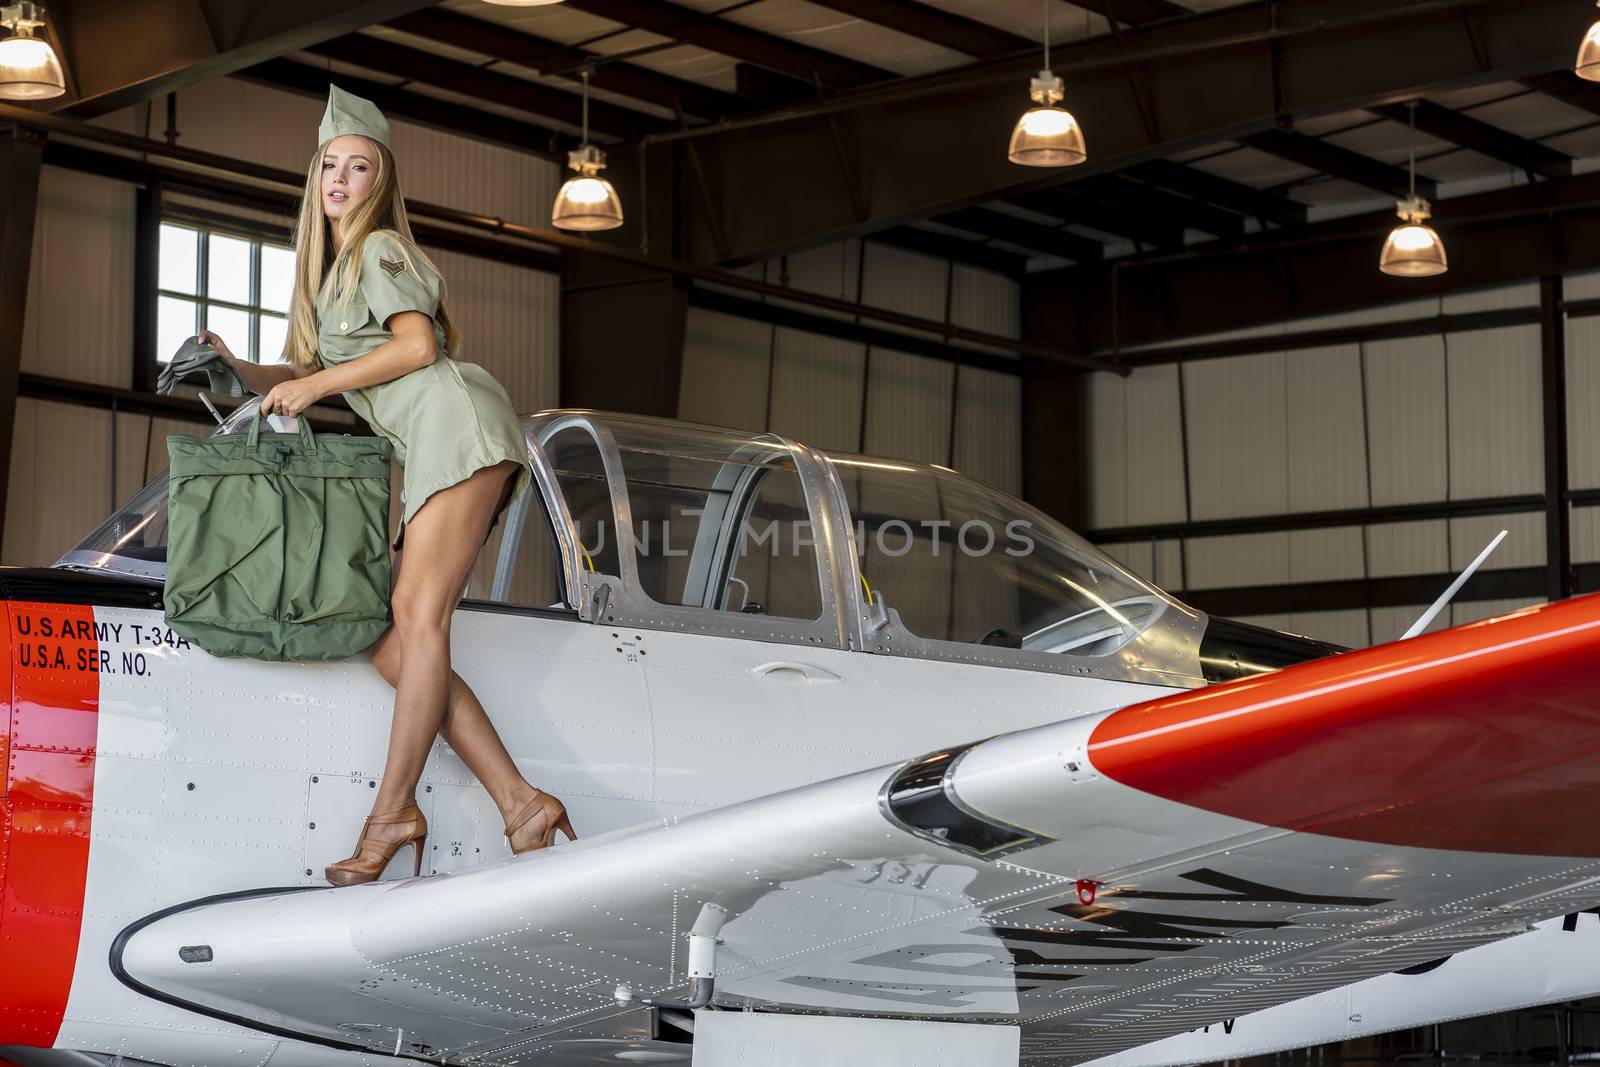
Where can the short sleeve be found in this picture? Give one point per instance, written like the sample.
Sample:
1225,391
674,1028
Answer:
395,277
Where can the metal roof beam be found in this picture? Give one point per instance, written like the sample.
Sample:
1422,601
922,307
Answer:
423,110
922,146
1567,87
786,315
1051,240
740,42
956,249
1223,192
415,65
769,88
1481,137
1337,162
1135,12
116,53
1107,218
931,24
1167,210
539,53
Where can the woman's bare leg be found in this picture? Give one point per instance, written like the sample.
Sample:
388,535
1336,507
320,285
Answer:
443,540
466,726
468,730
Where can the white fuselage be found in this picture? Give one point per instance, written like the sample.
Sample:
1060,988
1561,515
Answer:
215,776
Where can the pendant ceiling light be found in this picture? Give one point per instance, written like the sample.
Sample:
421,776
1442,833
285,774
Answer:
1047,136
1588,64
29,69
586,202
1413,249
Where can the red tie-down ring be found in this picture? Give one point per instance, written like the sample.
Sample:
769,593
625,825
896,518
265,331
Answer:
1087,889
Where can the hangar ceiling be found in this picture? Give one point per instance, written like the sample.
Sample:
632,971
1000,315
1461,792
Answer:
1233,147
1211,124
1208,121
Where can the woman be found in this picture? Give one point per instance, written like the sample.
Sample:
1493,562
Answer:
368,320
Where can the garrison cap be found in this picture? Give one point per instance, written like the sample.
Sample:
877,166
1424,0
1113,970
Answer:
348,113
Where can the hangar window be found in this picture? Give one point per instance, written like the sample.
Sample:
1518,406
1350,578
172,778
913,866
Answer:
235,285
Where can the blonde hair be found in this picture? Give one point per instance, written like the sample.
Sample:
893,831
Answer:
316,266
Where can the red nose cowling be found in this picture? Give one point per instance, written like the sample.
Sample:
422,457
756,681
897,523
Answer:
50,690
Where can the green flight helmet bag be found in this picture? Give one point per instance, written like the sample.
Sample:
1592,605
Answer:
277,543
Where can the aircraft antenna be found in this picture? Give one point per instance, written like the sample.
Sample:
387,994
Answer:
1455,587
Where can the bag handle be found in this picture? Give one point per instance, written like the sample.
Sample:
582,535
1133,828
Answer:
307,439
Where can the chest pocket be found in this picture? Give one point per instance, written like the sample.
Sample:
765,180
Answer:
342,321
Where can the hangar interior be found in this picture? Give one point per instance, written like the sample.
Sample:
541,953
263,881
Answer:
1183,347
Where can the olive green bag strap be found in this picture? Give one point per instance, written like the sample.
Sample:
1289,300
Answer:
308,440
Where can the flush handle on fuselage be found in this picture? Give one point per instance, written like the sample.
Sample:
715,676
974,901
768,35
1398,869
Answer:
788,670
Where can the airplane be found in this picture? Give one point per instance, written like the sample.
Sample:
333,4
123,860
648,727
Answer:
870,761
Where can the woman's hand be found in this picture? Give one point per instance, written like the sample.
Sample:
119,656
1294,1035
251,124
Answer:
206,337
293,396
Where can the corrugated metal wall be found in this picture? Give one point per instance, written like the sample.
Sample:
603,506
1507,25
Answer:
249,122
79,322
1388,422
78,326
851,397
67,474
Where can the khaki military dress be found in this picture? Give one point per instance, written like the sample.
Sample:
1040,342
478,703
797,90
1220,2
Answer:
445,420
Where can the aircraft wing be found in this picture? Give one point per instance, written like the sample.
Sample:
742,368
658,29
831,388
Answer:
1102,882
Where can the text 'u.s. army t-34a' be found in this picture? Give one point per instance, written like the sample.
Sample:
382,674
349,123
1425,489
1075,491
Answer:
872,763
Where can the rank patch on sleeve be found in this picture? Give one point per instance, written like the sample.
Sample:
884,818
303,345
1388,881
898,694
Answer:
391,267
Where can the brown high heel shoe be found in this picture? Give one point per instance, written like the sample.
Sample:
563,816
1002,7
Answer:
555,813
358,869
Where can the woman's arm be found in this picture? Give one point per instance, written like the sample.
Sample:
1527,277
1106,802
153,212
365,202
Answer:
261,379
412,347
256,378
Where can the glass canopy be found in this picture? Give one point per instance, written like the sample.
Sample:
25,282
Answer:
660,523
960,561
